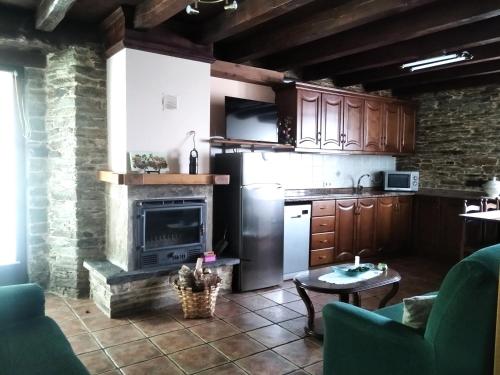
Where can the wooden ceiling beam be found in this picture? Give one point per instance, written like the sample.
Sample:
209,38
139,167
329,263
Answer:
444,15
454,83
481,54
426,77
245,73
151,13
325,22
250,14
468,36
50,13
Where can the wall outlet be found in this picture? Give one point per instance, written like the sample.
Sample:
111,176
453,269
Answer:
169,102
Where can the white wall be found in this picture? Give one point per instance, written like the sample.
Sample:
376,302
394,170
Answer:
146,124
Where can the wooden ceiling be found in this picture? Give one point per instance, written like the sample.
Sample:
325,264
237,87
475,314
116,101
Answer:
349,41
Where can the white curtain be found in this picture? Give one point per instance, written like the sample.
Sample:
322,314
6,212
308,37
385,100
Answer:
8,185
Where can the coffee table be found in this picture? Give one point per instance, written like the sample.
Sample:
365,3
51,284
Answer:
308,280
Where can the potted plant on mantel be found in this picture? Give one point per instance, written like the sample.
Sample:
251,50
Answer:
148,162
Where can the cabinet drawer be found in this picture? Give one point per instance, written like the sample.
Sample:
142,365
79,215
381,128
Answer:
323,208
319,257
323,224
322,240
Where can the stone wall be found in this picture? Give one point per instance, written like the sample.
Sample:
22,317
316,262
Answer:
458,134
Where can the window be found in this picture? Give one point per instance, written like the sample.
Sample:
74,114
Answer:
12,186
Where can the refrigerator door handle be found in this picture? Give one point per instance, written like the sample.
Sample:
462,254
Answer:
261,186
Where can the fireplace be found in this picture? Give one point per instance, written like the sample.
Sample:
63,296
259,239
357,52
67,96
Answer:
169,231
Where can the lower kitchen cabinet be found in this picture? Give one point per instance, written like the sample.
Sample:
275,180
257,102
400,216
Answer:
345,212
323,256
366,216
394,224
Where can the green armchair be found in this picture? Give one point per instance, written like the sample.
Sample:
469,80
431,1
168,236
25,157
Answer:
30,342
458,340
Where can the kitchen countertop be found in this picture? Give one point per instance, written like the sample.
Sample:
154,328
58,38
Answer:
307,195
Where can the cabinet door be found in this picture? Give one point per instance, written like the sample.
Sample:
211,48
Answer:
391,131
407,144
353,124
372,128
345,228
365,227
385,224
426,228
403,223
308,118
331,121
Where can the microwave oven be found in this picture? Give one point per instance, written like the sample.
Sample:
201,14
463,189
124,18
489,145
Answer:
401,181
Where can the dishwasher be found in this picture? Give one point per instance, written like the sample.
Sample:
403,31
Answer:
297,223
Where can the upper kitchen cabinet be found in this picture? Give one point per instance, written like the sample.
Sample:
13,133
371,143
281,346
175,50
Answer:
333,120
408,123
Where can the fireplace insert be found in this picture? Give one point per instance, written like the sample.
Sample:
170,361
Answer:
169,231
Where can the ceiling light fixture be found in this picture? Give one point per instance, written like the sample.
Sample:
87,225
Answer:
193,10
438,60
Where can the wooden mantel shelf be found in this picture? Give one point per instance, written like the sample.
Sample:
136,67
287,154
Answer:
162,179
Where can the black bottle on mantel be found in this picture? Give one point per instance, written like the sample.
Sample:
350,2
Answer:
193,161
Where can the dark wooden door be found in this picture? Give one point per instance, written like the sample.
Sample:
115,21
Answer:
308,118
353,124
366,211
403,223
426,226
345,228
391,131
372,126
450,230
385,224
331,121
407,144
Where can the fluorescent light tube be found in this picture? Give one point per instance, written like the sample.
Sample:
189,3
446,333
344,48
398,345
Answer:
437,63
430,60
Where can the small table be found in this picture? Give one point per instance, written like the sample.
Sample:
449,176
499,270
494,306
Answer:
308,280
493,216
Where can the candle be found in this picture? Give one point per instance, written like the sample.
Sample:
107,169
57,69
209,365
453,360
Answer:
356,261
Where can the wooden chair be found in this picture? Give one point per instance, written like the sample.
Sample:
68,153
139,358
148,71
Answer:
490,230
472,231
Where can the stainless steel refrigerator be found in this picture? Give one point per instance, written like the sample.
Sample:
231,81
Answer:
249,213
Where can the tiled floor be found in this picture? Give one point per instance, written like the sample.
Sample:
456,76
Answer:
258,332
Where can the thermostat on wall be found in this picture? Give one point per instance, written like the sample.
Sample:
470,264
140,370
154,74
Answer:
169,101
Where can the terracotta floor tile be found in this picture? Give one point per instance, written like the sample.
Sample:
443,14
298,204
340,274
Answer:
157,366
228,369
248,321
72,327
118,335
272,336
281,296
256,302
73,302
132,352
99,321
157,325
239,296
214,330
316,369
277,313
296,326
297,306
238,346
86,309
197,359
225,310
83,343
179,316
96,362
222,299
177,340
266,363
299,372
112,372
302,352
60,313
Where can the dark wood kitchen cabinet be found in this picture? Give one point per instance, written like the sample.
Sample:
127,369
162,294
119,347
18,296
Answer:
352,133
403,224
385,224
322,247
308,119
332,120
394,224
355,228
372,129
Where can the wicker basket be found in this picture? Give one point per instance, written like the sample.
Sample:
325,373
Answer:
198,304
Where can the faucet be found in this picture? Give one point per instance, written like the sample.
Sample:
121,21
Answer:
359,188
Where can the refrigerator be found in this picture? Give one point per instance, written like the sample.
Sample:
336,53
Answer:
248,213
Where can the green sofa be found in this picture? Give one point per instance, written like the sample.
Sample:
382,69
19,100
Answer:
30,342
458,339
